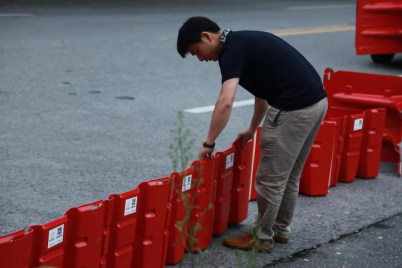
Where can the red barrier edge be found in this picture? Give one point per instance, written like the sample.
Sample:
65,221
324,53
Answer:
340,131
15,249
224,162
49,243
255,162
370,154
154,210
241,182
203,211
87,239
183,184
316,175
122,219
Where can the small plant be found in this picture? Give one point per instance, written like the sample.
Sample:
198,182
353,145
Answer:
180,150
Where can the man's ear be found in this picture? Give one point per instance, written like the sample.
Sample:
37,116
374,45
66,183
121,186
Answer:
207,36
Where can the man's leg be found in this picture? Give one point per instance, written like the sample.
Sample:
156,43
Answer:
282,139
288,204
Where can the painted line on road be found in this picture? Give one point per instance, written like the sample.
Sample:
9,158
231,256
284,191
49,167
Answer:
16,15
210,108
322,7
316,30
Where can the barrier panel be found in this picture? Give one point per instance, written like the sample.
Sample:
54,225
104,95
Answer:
255,162
339,136
15,249
379,28
153,217
203,210
224,180
49,243
122,219
370,154
241,182
316,176
354,91
352,143
87,239
184,186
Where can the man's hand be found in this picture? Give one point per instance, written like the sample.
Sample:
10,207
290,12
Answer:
245,136
205,152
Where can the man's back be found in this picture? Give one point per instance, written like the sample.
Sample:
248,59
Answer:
271,69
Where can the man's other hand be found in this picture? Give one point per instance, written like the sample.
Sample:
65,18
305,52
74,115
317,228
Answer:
245,136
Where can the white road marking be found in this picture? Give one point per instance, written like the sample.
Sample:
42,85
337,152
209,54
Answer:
321,7
16,15
210,108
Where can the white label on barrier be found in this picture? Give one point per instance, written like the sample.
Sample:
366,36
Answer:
55,236
186,183
229,160
358,124
131,206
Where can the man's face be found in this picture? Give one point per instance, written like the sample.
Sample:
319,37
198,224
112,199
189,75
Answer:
207,49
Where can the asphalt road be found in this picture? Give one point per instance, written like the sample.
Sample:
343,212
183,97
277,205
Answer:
89,94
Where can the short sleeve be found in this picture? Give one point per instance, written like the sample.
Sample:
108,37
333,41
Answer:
231,64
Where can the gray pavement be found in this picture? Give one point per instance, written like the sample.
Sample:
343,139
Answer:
89,93
363,248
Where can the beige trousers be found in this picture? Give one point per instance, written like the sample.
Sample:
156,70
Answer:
285,142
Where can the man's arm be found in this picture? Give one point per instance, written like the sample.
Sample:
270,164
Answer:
223,109
221,114
260,109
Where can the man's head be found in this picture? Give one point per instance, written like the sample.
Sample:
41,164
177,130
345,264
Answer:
199,36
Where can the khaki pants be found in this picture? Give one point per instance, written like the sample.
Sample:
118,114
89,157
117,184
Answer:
285,142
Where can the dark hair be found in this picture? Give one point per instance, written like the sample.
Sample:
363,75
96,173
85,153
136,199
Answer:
191,30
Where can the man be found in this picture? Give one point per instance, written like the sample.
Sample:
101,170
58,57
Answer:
278,75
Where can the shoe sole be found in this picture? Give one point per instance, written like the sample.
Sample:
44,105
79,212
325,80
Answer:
281,240
269,250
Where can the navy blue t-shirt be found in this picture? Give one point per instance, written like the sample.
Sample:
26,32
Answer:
271,69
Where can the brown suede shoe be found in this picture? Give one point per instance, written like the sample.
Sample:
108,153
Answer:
245,242
246,237
281,239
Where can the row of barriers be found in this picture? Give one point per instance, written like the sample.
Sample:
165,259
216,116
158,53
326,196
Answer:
144,227
151,224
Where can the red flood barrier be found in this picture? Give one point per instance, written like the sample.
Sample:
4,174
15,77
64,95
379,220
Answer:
370,154
224,179
203,210
352,143
316,176
255,162
358,92
122,219
339,134
184,185
241,182
87,239
49,243
379,29
15,249
153,217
